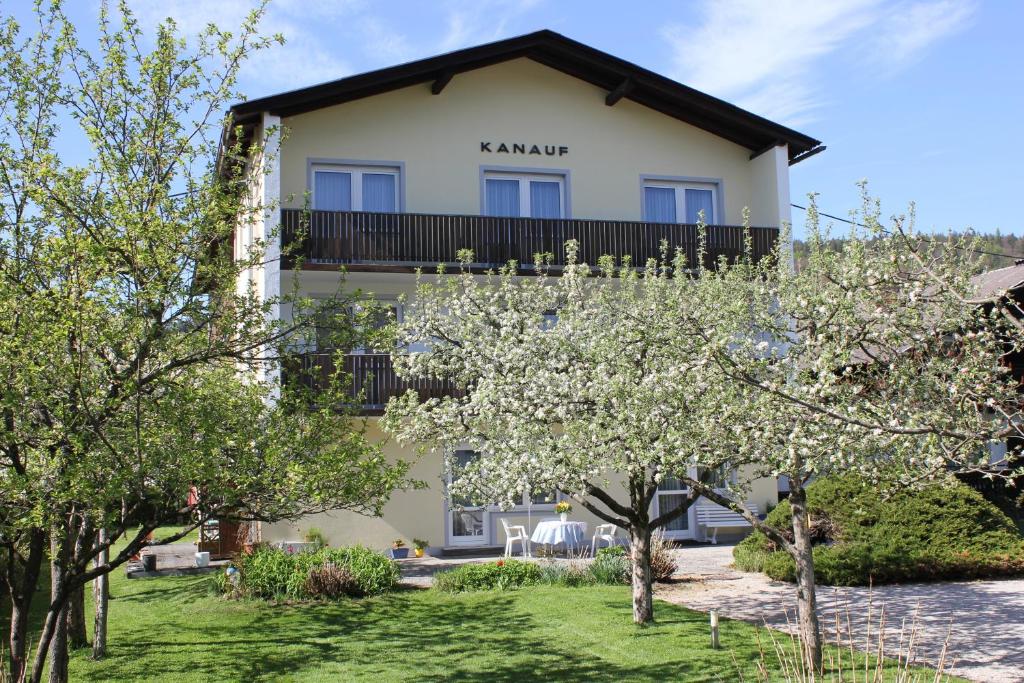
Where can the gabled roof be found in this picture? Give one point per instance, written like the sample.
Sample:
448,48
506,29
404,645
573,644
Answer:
994,284
619,77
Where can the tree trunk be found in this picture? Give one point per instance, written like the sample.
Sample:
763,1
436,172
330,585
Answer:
100,593
77,636
640,549
23,589
59,639
807,609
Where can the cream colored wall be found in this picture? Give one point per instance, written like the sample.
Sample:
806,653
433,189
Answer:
408,515
421,513
437,137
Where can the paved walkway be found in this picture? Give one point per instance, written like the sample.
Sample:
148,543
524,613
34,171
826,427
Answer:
984,620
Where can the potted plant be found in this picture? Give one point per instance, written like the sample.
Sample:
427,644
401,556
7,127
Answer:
419,546
563,508
398,550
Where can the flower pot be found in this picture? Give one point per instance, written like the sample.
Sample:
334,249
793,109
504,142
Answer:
564,516
398,553
418,552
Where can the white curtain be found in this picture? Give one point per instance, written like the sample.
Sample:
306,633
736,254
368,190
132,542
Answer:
502,197
379,192
659,204
697,201
332,191
545,199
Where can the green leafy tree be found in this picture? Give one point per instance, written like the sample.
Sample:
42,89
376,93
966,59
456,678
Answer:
136,369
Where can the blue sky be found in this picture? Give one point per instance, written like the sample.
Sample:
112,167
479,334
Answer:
923,98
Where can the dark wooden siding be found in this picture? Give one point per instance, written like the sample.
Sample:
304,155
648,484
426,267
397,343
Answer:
330,238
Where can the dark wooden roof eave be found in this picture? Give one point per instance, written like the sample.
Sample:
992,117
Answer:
563,54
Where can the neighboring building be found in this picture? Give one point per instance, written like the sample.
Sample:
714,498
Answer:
1004,287
507,149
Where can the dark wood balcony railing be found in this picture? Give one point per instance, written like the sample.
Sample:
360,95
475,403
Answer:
411,240
373,378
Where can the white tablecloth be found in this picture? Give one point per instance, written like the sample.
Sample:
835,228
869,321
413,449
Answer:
553,531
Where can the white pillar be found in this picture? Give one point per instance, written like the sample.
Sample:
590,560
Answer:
270,198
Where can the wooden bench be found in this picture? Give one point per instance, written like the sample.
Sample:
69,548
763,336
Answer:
711,516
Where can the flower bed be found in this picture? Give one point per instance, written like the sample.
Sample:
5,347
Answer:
327,573
610,567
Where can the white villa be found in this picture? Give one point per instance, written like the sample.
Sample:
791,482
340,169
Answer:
508,149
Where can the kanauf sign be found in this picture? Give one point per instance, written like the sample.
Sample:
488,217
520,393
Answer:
523,148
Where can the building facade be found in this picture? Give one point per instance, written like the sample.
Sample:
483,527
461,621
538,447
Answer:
507,149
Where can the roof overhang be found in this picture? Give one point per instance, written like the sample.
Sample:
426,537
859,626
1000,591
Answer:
620,78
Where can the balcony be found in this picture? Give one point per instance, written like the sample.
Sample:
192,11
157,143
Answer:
402,242
373,378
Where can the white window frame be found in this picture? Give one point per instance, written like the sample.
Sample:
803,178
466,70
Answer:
524,178
680,187
357,171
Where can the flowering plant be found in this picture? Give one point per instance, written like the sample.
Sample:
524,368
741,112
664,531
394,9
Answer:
563,506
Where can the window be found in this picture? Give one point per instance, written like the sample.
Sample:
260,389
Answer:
355,188
672,493
529,195
332,330
678,202
721,477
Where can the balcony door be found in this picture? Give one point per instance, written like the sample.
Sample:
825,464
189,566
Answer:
468,524
675,202
671,494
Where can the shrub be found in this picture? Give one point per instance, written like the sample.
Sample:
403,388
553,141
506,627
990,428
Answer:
612,550
331,581
610,567
500,575
943,531
269,573
663,563
316,536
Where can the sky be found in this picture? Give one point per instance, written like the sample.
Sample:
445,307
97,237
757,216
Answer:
924,99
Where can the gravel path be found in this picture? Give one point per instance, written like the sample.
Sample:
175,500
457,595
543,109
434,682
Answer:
984,620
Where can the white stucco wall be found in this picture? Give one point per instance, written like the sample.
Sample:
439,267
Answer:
437,139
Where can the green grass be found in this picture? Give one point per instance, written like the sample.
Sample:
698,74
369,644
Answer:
173,628
165,531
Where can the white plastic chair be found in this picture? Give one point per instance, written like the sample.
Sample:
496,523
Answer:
603,532
515,533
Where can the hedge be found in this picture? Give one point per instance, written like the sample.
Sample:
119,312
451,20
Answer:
942,531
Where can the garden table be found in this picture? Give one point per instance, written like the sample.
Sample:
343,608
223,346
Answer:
555,531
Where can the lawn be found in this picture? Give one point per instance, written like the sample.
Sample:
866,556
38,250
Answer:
173,628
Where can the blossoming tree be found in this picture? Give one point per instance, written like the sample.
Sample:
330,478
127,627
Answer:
600,400
870,360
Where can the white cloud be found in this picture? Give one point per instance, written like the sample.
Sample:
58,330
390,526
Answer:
910,30
302,60
766,56
383,43
471,22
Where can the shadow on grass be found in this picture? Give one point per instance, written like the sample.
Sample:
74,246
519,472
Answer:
410,635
